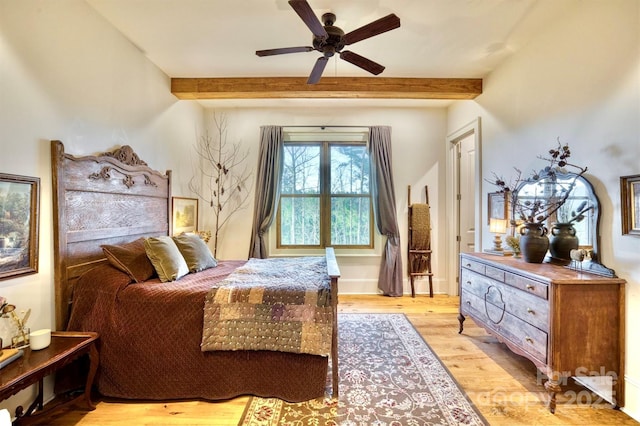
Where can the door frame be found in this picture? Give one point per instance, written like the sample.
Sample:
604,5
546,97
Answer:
453,226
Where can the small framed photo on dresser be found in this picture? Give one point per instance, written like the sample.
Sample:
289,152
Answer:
498,207
630,204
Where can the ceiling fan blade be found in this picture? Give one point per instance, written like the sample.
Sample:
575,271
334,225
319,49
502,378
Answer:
382,25
317,70
305,12
362,62
283,50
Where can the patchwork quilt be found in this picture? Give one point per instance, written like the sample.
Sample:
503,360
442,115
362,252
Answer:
277,304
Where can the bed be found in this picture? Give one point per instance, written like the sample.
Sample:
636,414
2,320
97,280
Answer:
153,333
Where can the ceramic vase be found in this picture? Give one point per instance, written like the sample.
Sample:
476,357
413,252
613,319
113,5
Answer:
534,242
563,239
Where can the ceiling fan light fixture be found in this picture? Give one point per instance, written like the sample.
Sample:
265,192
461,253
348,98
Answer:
328,51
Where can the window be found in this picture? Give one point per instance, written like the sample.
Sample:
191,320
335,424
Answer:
325,196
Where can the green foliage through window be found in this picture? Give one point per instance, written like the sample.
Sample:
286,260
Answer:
325,198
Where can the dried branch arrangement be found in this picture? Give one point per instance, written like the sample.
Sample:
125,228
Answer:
221,177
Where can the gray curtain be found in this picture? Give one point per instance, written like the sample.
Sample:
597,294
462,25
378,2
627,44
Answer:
267,187
384,208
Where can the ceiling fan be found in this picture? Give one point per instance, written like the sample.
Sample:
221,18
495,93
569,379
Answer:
329,40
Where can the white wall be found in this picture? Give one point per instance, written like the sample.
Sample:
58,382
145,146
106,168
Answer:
418,160
66,74
579,80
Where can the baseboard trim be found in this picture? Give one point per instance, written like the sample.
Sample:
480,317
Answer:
631,398
370,286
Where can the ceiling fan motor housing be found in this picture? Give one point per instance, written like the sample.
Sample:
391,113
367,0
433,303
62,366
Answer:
332,44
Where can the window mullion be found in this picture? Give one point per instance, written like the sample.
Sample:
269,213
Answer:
325,196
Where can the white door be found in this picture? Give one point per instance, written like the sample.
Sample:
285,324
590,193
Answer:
466,193
463,187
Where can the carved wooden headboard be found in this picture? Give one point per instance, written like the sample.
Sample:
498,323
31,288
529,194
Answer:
110,198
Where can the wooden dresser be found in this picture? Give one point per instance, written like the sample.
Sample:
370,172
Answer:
568,323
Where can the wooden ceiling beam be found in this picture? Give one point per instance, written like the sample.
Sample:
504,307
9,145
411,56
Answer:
328,88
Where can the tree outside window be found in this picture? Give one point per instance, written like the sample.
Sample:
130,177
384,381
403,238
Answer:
325,197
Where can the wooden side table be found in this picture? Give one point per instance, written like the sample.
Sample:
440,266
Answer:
33,366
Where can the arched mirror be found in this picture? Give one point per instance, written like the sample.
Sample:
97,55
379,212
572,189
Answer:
582,209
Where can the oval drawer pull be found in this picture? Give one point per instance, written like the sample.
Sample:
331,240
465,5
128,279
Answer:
469,282
530,287
531,311
468,303
528,339
468,265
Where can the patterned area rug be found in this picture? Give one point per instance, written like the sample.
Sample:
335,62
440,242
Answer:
388,376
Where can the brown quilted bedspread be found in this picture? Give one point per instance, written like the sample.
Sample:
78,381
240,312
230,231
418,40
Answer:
150,336
278,304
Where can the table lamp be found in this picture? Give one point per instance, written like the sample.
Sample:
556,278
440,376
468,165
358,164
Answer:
497,226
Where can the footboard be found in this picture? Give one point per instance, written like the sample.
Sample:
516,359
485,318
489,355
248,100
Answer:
334,273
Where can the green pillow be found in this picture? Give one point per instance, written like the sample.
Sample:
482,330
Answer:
195,252
166,258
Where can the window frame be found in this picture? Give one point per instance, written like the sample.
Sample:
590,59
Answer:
325,198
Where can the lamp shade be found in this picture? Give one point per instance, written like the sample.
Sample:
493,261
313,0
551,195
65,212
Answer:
497,226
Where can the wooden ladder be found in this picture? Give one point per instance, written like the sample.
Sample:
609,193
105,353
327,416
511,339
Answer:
419,256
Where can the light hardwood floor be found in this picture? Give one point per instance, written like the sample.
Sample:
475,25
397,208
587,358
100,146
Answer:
504,386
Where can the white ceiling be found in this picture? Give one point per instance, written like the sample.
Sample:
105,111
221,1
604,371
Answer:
436,39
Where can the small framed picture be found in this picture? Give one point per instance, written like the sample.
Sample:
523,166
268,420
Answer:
630,204
184,212
19,210
498,207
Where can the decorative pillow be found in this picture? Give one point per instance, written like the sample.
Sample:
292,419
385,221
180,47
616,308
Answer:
195,252
131,258
166,258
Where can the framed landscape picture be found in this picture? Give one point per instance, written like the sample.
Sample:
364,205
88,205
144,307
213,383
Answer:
19,210
630,204
184,214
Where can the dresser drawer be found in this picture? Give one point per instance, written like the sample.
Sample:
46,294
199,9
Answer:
505,325
472,282
530,286
494,273
527,307
472,265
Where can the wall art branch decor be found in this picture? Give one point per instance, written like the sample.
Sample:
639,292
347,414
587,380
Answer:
630,204
19,211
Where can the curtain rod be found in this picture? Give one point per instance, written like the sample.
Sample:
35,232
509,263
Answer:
325,126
